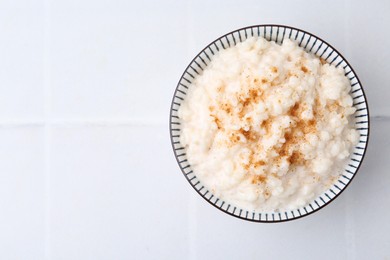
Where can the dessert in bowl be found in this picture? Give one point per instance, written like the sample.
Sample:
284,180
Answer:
269,123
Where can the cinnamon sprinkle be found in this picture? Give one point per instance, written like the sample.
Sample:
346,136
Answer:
249,135
267,124
304,69
217,121
259,179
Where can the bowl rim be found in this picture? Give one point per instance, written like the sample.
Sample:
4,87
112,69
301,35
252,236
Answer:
294,217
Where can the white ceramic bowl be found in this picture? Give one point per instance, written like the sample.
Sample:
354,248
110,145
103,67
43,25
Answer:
310,43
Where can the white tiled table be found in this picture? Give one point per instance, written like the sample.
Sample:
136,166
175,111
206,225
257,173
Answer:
86,167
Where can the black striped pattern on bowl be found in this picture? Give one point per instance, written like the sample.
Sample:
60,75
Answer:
310,43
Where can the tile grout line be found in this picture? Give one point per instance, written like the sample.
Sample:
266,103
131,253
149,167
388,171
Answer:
81,122
192,228
350,234
108,122
346,28
47,127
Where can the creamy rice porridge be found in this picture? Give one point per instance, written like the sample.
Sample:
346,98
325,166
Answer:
268,127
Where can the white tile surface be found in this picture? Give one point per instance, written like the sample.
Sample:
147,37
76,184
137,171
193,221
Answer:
219,235
22,193
86,167
116,193
21,59
220,17
369,197
368,50
116,58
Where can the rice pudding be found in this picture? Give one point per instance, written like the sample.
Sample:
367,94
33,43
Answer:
268,127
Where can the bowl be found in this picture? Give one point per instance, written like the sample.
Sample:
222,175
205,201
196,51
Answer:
311,44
